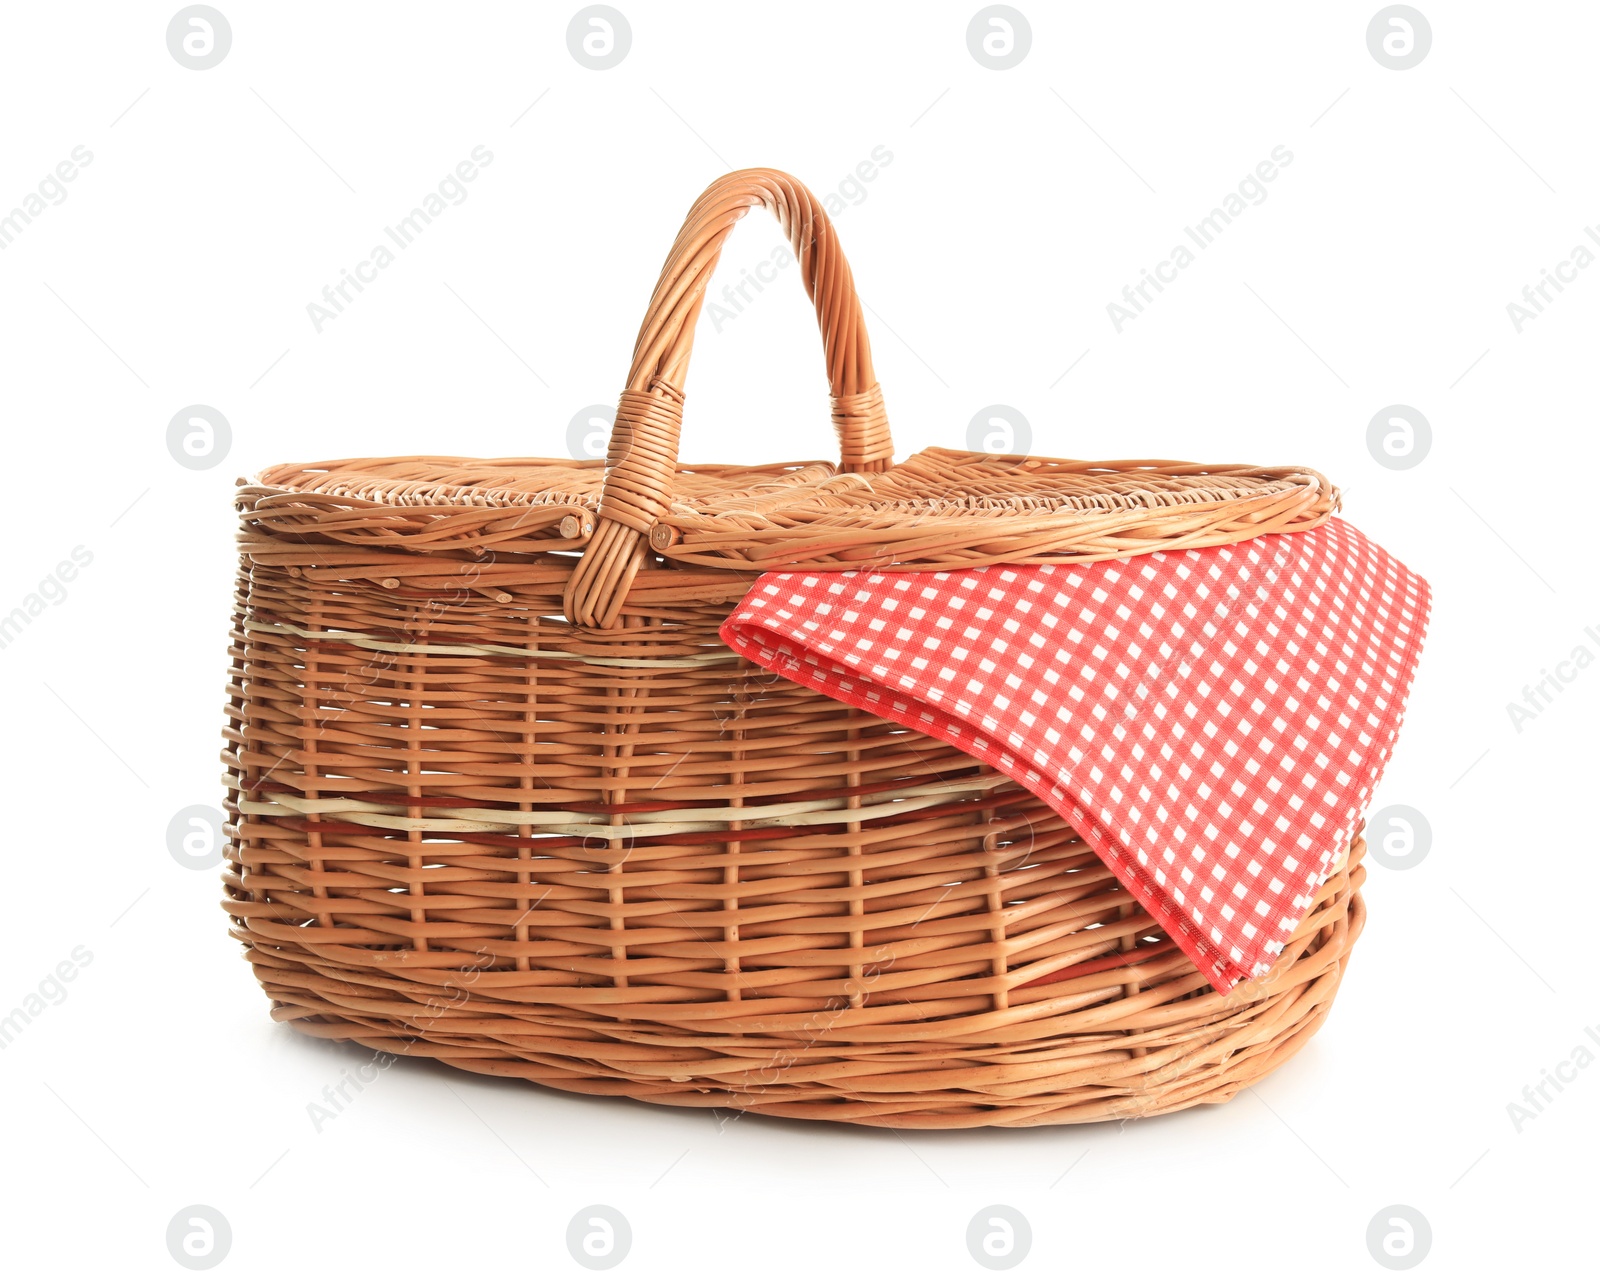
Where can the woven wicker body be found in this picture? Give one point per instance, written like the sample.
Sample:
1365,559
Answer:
500,796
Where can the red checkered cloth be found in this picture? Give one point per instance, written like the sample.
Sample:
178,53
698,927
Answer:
1211,721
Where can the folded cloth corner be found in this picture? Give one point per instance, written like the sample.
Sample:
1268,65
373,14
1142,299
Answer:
1212,721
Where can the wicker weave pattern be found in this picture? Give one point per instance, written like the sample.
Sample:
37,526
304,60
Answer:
542,866
606,854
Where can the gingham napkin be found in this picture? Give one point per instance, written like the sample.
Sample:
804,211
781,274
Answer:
1211,721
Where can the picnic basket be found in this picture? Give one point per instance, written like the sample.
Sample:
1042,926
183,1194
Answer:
500,796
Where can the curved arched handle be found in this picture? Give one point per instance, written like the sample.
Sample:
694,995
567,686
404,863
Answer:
641,460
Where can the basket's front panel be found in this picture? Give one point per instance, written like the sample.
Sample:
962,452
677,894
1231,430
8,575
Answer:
627,862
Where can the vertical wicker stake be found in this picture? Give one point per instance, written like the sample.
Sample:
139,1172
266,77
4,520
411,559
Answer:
1127,944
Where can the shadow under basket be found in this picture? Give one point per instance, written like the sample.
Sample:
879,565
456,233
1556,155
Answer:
500,796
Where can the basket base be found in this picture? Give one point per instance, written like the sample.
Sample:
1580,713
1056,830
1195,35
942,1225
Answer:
1199,1047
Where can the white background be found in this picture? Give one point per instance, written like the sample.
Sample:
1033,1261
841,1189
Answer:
1017,204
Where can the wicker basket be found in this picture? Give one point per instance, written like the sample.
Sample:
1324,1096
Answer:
501,797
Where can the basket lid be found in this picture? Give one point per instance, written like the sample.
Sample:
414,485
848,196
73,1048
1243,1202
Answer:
938,510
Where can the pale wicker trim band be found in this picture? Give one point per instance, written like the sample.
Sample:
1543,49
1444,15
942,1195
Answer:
580,824
369,643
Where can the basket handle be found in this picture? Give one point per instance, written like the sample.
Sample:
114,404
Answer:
642,457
